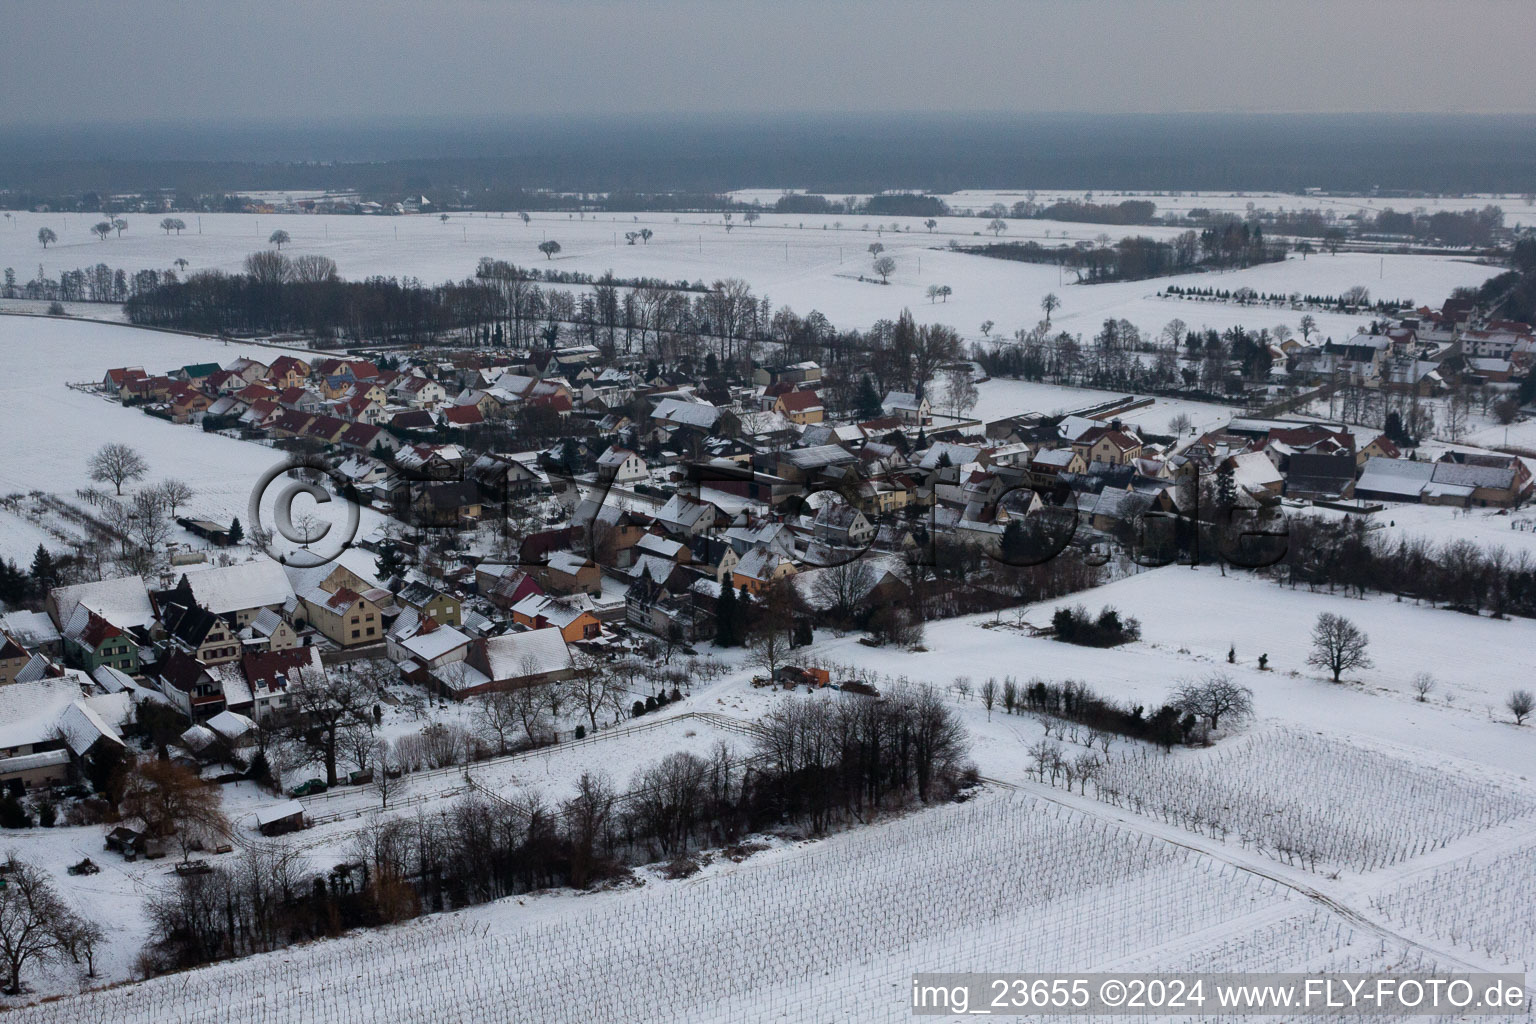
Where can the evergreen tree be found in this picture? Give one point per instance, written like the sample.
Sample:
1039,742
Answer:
741,627
236,531
570,456
725,615
868,400
390,562
1015,544
44,573
1226,485
13,583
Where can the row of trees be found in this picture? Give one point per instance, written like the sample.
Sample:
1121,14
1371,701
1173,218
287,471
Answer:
818,764
100,283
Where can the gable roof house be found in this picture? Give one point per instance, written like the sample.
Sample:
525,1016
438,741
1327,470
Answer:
512,661
567,572
114,379
760,568
907,407
573,617
344,616
259,685
427,645
91,640
1111,444
670,607
199,632
288,372
190,686
800,407
429,600
621,466
1326,477
240,591
504,585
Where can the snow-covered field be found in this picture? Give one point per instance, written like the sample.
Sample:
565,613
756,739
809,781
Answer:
829,932
804,262
52,429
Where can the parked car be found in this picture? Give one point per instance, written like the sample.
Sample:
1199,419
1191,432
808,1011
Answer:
308,788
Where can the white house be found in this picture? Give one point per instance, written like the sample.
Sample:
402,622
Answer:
621,466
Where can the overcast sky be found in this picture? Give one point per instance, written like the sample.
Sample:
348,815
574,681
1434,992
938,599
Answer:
111,60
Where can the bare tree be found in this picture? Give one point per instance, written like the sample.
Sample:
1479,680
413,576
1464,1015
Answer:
769,646
117,463
148,517
960,392
313,269
323,705
388,771
101,229
587,816
81,939
1423,684
930,224
46,235
168,798
590,686
497,714
36,926
549,249
840,588
1050,304
1214,698
269,268
884,266
279,238
1180,424
1520,704
988,693
174,493
1086,766
1338,645
997,226
1307,325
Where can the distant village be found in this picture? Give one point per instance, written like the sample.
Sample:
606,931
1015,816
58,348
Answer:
665,509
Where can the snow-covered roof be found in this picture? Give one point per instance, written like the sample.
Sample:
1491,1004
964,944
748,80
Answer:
533,652
277,812
29,628
266,622
198,737
113,680
29,712
1253,471
428,646
230,724
693,414
26,762
124,602
231,588
567,562
663,546
82,726
759,563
